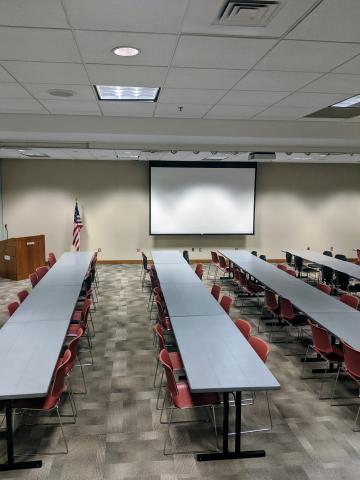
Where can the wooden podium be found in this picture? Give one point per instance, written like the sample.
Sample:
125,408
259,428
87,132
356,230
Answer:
20,256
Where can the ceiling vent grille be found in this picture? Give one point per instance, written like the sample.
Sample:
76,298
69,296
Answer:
247,13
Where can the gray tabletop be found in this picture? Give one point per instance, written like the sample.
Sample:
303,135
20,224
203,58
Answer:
167,256
63,274
29,352
68,258
176,273
189,299
217,357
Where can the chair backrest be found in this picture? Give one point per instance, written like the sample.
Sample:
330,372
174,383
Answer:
222,261
199,270
242,280
58,384
263,257
34,279
288,257
12,307
290,271
72,347
154,278
214,257
350,300
41,271
320,338
22,295
165,361
286,308
51,260
261,347
327,274
226,302
215,291
324,288
254,252
282,267
160,336
342,280
270,301
351,360
244,327
340,256
161,312
186,255
298,263
328,253
144,261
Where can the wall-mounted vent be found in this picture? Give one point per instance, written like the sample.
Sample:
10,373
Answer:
248,13
259,156
33,154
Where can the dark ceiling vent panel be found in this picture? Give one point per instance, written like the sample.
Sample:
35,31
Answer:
334,112
248,13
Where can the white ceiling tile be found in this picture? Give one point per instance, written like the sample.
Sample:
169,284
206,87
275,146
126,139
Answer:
47,72
127,109
71,107
20,105
188,95
155,50
242,97
13,90
303,56
41,91
300,99
220,52
37,44
275,81
211,78
160,16
352,66
233,111
34,13
188,111
284,113
332,20
126,75
335,83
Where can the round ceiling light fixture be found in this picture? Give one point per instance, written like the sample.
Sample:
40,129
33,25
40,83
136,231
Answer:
126,51
59,92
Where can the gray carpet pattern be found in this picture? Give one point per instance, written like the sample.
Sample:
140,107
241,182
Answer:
117,434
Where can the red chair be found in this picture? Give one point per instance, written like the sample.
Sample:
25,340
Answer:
282,267
79,316
215,291
51,259
248,288
351,367
291,272
199,270
223,266
322,346
41,271
270,304
73,348
226,302
244,327
145,269
12,307
34,279
288,315
163,319
22,295
83,323
324,288
179,396
214,263
52,400
350,300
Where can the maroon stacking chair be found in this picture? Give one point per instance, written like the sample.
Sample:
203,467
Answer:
324,349
12,307
179,397
214,263
34,279
282,267
73,347
22,295
291,318
324,288
244,327
271,305
41,271
215,291
199,270
163,319
82,322
223,266
350,300
51,259
226,302
291,272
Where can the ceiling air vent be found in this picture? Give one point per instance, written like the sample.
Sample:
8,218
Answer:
248,13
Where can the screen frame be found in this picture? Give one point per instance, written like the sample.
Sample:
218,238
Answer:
202,164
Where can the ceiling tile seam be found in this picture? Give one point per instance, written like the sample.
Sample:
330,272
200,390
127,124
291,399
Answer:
173,54
80,55
305,15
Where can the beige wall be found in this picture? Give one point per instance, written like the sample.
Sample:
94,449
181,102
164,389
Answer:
296,206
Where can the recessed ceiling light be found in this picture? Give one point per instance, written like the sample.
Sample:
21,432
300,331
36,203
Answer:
349,102
128,94
126,51
59,92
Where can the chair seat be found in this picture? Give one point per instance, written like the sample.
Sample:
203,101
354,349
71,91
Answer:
176,361
337,355
185,399
73,330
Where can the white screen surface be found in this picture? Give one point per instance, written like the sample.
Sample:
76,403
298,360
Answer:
202,200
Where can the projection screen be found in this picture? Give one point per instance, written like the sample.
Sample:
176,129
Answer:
202,199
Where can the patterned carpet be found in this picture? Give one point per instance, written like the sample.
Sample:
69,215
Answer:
118,436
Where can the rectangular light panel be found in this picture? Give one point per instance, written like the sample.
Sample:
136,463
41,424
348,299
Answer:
349,102
127,94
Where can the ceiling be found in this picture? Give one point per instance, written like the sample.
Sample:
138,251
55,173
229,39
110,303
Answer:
306,58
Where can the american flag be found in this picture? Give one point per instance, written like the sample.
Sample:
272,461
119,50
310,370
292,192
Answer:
77,227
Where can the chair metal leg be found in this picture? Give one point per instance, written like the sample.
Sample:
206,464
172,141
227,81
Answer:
62,430
167,435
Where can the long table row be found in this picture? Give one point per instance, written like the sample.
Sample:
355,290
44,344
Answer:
32,338
340,319
216,356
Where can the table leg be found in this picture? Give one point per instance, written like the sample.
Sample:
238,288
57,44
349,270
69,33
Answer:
237,453
10,464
